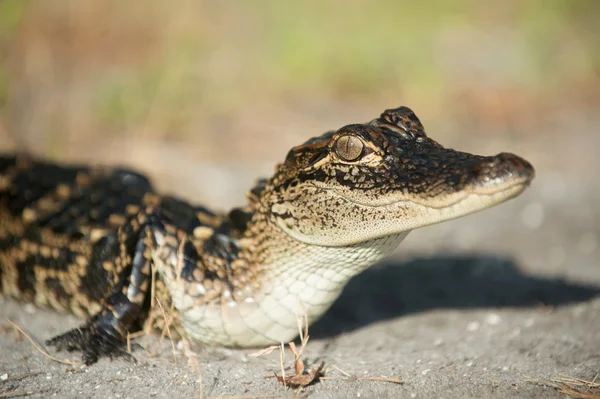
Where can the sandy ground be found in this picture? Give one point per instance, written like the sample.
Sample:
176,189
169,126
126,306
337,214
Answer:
469,308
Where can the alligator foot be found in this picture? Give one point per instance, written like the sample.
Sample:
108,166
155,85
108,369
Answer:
93,341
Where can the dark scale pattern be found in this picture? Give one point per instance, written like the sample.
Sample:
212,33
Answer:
54,284
79,239
27,279
97,281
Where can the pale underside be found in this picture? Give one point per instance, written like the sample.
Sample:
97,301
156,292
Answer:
306,278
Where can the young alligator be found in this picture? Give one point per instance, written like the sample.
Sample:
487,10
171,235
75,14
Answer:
102,244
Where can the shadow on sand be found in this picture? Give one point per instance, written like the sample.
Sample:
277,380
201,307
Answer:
391,290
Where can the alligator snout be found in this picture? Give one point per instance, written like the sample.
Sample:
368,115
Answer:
503,168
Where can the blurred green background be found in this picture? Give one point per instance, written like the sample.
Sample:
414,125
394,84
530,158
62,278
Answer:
187,88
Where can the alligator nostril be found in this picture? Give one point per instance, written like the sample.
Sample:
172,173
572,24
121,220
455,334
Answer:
515,164
480,169
486,168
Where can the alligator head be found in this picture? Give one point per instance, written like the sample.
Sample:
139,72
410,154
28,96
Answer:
366,181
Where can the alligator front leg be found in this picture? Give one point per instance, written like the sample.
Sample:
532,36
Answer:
105,334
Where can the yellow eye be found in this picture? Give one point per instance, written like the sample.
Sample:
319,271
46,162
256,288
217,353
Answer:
349,148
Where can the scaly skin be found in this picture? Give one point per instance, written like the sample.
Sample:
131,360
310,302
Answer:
89,240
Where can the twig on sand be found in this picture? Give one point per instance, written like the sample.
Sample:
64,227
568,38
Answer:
168,321
377,379
21,376
249,396
577,388
14,394
38,346
349,377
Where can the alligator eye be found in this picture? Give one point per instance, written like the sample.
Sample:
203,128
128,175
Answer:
349,148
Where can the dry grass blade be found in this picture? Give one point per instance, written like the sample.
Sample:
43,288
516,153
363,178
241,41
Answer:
136,334
14,394
282,359
128,342
39,347
298,363
168,321
341,371
148,324
396,380
158,312
266,351
250,396
349,377
193,363
21,377
302,320
577,388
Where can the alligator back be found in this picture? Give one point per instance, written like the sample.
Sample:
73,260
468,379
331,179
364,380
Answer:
58,230
59,224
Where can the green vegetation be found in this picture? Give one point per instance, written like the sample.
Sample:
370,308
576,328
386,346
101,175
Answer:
11,12
162,67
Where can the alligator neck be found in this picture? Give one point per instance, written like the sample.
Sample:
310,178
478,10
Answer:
296,276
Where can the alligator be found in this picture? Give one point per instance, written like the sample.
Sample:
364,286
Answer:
103,244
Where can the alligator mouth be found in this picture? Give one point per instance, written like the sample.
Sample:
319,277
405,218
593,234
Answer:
471,201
